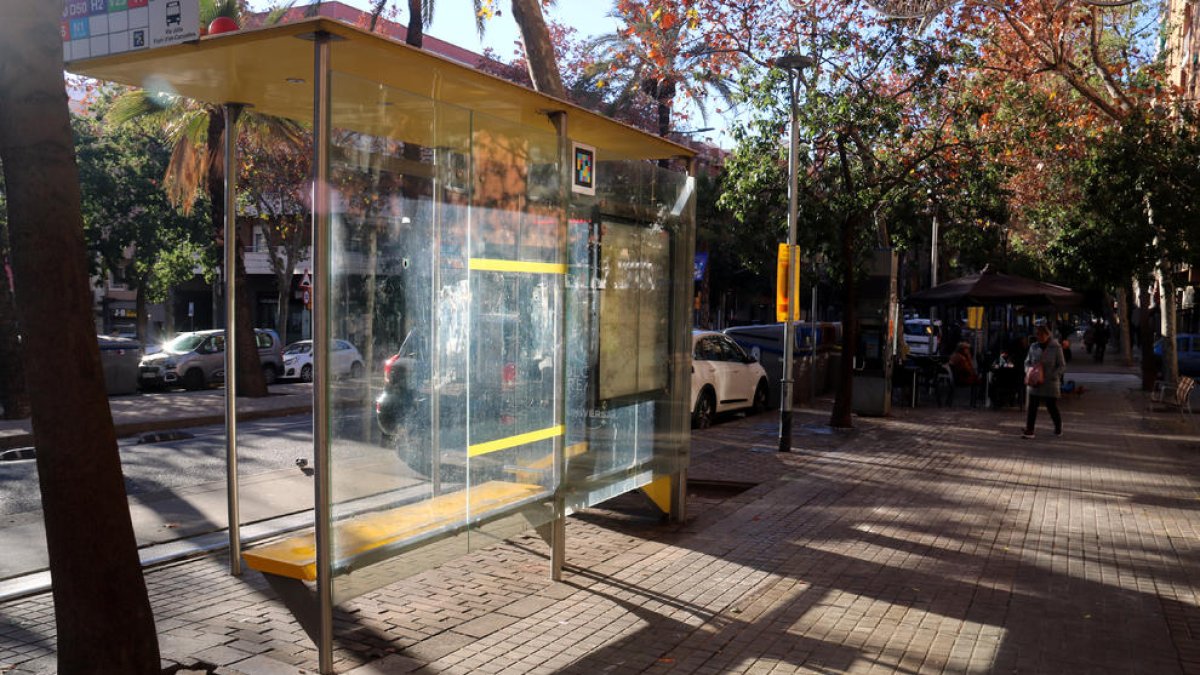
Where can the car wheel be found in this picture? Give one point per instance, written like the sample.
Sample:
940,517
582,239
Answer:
269,374
702,415
760,398
356,371
193,380
306,373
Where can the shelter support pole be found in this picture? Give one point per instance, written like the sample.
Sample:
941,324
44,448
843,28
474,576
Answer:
812,320
679,478
321,258
933,261
558,530
231,112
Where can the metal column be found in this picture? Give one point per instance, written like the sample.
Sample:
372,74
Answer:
321,257
558,531
231,111
793,271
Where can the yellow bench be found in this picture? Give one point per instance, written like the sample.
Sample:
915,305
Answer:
365,539
296,557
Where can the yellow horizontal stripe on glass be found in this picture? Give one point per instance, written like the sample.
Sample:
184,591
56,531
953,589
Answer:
514,441
496,265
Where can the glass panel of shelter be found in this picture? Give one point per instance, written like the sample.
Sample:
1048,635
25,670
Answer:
451,273
447,274
400,294
624,311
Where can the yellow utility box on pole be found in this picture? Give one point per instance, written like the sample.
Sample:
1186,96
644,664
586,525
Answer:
782,297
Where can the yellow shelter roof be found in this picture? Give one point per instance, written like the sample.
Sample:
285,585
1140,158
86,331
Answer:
272,69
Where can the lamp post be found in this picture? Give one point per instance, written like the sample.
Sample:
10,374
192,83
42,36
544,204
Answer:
793,63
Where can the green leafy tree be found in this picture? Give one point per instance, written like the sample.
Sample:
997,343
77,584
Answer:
876,119
196,132
1138,212
129,224
661,52
273,182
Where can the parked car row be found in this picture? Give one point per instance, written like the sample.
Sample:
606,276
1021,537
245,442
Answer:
344,361
197,360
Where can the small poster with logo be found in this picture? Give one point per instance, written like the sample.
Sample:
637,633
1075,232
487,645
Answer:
583,169
92,28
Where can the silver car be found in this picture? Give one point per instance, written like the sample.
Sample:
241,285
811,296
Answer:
197,360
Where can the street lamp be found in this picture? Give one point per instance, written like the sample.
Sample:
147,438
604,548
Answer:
793,63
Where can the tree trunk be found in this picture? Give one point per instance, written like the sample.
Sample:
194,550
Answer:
283,314
13,394
416,25
139,309
664,117
843,402
1124,314
539,48
1146,336
250,380
169,315
102,613
1166,306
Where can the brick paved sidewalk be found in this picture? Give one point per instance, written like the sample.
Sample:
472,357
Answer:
933,541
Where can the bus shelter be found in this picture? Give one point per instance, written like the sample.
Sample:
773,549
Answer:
518,270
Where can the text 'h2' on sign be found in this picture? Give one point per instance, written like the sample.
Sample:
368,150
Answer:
93,28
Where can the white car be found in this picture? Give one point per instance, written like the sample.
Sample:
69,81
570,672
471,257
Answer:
924,337
724,378
344,361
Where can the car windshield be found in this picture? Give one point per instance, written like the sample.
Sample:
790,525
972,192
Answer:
917,329
298,348
183,344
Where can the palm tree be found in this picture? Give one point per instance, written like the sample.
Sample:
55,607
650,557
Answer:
196,132
539,48
660,57
102,612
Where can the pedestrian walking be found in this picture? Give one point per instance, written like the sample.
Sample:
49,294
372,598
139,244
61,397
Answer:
1044,368
1101,338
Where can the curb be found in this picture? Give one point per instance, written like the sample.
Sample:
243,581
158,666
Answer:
24,439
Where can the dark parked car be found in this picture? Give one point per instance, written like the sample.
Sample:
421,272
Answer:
401,398
1187,346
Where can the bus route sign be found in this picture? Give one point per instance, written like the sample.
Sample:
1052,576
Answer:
92,28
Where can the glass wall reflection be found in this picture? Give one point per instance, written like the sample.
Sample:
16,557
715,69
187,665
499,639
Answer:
515,350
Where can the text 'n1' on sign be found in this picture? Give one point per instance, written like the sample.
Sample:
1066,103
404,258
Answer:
782,296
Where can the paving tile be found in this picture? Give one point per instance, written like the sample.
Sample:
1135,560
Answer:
931,541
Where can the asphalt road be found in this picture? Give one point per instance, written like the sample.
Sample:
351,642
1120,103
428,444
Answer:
174,465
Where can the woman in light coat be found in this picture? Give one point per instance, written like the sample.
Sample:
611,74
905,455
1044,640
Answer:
1049,353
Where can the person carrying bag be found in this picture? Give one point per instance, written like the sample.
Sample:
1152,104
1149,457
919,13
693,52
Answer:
1044,368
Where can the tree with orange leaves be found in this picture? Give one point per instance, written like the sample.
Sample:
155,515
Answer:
878,118
1074,74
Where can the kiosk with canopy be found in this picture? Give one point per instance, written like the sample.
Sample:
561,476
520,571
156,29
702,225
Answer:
517,271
